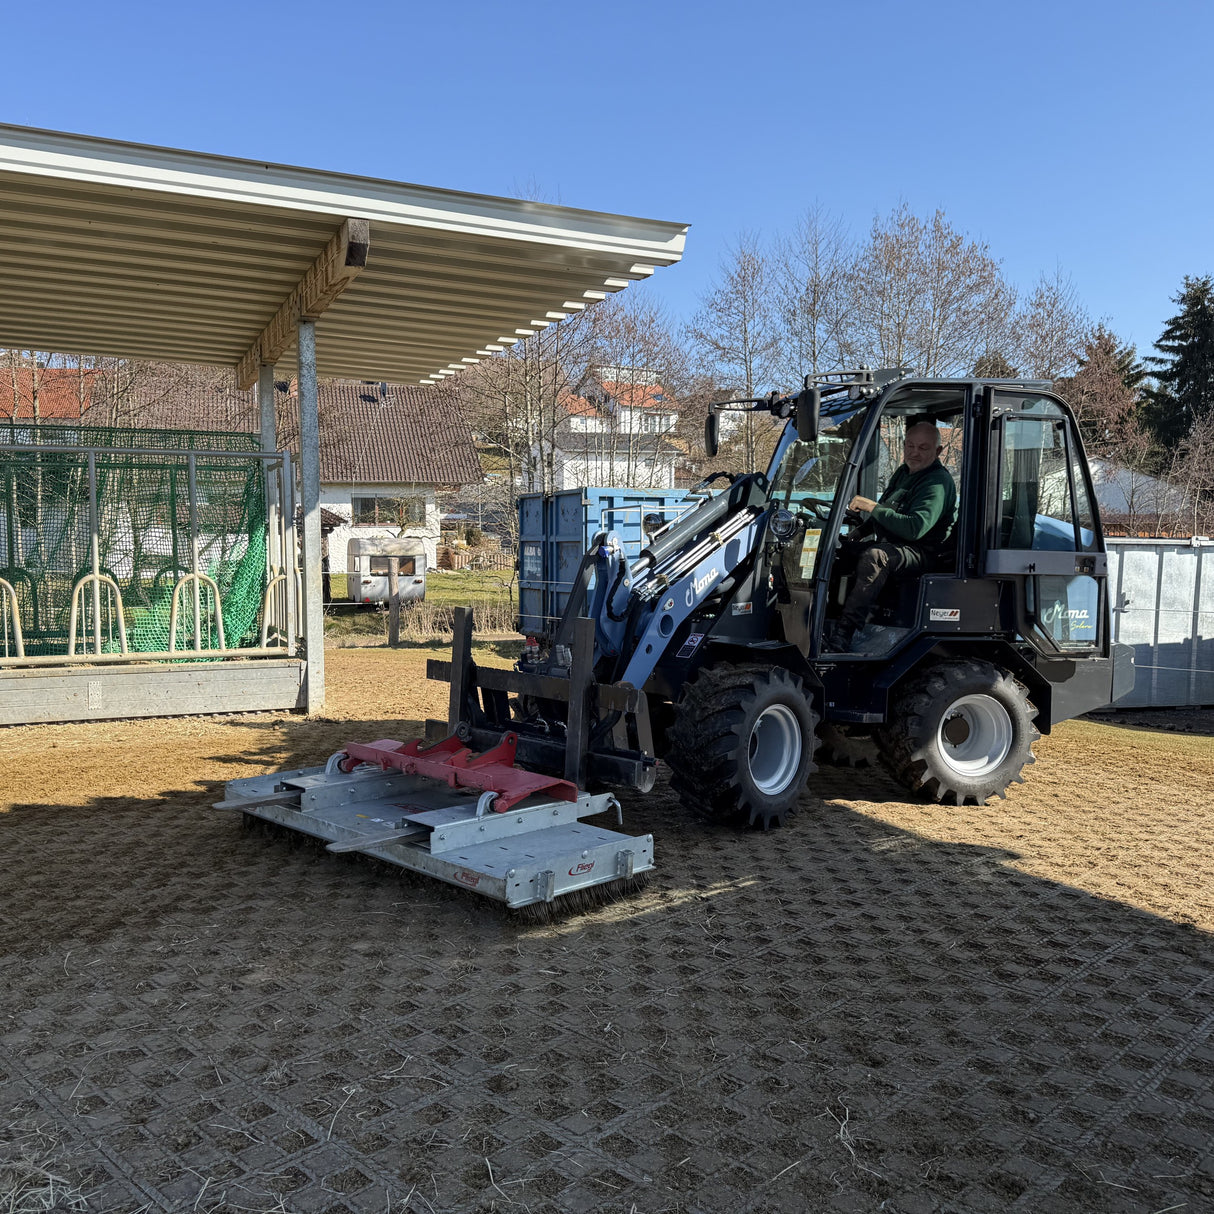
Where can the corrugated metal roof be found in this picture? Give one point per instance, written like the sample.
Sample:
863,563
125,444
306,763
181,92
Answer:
119,248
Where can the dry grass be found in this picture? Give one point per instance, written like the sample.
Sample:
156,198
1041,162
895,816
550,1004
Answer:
490,595
32,1178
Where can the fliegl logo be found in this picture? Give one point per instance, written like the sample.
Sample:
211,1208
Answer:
580,870
699,585
464,877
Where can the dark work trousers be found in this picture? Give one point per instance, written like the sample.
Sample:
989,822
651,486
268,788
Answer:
873,565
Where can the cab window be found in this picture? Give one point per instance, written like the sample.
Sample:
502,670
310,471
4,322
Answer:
1043,497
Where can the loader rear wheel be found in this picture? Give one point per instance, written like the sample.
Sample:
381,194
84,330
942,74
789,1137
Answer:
742,743
961,732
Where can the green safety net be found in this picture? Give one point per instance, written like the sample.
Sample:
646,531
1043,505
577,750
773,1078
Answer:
147,531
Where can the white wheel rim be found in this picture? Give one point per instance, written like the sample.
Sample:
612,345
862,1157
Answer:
975,735
774,750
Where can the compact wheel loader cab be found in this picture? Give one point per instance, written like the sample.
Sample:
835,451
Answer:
710,650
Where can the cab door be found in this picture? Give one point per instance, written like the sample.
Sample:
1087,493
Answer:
1042,529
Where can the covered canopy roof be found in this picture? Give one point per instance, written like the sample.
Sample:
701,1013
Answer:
144,252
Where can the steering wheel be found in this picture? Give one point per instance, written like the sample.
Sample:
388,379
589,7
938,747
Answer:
716,476
819,509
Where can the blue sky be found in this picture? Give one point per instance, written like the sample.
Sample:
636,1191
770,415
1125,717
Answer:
1066,135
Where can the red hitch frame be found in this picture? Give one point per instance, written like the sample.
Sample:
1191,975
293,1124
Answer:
458,767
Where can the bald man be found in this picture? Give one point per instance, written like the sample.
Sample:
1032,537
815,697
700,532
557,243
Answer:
902,533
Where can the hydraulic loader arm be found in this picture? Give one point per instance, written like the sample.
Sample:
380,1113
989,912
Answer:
667,598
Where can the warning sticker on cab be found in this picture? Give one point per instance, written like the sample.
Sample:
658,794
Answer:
690,645
945,615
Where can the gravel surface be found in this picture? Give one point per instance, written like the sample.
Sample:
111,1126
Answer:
883,1006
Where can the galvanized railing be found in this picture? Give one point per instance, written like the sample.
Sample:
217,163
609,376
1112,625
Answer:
280,613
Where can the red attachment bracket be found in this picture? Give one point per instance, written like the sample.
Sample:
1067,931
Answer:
458,767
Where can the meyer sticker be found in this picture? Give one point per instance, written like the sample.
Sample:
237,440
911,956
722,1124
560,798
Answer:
945,615
743,608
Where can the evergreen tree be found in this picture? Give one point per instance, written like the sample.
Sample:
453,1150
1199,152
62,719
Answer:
1184,367
993,365
1104,393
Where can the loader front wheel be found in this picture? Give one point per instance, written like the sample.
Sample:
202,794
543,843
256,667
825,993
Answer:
742,744
961,732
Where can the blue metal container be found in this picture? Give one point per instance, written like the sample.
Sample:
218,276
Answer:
555,530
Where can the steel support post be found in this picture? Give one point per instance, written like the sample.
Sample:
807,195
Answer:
95,551
290,546
269,442
192,474
265,405
309,481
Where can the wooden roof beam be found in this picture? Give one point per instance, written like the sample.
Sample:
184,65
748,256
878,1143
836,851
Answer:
325,279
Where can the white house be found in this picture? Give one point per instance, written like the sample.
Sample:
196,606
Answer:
619,431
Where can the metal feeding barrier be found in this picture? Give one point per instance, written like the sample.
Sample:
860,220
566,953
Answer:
138,546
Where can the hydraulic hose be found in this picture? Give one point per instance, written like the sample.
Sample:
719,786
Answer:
619,577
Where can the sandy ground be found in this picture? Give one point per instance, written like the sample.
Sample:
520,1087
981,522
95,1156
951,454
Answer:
885,1005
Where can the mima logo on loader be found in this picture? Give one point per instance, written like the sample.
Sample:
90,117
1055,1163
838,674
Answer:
1058,612
699,585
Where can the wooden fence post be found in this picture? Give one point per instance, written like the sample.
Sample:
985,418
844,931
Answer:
393,601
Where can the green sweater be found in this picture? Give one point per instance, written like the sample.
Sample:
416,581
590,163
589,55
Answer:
917,508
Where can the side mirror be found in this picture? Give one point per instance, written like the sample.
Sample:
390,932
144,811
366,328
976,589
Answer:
712,433
809,408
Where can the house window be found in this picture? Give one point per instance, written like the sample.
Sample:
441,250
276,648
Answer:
389,511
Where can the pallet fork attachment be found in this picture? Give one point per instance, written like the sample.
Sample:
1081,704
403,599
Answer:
605,734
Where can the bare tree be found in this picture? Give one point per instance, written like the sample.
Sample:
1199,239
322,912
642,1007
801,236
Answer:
814,269
1195,474
1104,403
634,382
1051,328
736,335
927,297
516,400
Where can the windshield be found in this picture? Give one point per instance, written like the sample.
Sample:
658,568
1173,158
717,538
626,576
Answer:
802,471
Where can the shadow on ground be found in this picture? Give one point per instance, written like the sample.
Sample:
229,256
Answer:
1197,721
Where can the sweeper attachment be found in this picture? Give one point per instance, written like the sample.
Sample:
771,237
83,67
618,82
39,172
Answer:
473,820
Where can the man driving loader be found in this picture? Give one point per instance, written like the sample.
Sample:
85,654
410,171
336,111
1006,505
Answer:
905,532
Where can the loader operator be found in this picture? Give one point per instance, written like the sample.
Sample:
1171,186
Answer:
906,532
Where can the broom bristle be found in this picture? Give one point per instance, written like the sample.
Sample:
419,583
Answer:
581,901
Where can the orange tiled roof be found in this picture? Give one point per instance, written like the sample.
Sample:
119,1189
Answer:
578,406
638,396
58,389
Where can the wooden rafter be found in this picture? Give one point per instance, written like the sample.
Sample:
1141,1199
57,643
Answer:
326,278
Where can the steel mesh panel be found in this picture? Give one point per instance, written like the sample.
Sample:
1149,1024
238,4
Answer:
148,524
